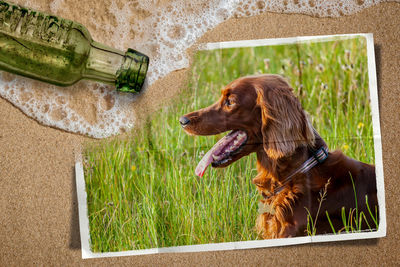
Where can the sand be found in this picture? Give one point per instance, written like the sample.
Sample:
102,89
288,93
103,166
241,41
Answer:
39,214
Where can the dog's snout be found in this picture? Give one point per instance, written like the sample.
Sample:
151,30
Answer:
184,121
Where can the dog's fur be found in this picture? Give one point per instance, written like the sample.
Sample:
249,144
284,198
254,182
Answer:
283,138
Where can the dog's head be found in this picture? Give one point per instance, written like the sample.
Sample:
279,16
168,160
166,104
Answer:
260,111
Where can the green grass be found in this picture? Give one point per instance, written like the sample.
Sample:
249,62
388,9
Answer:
142,191
354,219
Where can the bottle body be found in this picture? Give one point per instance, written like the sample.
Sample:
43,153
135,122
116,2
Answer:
60,51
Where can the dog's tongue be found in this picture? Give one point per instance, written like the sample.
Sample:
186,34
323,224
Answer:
214,151
203,164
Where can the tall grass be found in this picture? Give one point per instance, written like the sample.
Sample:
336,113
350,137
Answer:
354,219
142,191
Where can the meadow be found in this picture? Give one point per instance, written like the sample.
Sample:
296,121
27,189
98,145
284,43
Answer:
142,190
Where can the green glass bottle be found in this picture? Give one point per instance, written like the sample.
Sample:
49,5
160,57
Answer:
62,52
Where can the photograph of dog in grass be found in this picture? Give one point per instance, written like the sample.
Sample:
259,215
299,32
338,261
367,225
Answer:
293,161
265,142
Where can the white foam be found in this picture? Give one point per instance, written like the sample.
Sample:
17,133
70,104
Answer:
162,31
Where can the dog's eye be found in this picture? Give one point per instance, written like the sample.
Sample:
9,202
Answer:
229,103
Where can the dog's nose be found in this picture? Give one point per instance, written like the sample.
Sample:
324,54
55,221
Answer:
184,121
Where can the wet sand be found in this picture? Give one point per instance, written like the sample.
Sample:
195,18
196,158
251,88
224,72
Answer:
39,212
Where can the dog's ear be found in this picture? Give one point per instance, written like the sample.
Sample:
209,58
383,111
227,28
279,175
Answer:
285,125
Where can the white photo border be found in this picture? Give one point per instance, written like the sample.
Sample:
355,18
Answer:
381,232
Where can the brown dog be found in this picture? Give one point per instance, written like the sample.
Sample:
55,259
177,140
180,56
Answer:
293,163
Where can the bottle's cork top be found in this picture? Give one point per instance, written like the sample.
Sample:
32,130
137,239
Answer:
132,74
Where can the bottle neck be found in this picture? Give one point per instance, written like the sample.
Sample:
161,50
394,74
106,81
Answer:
126,70
103,63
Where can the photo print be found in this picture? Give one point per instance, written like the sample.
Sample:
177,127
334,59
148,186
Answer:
272,142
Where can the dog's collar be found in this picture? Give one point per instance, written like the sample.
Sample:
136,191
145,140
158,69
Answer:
318,157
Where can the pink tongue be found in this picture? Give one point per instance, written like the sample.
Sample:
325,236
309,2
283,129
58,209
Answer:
215,150
203,164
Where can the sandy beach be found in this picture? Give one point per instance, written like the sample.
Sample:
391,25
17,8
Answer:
39,209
